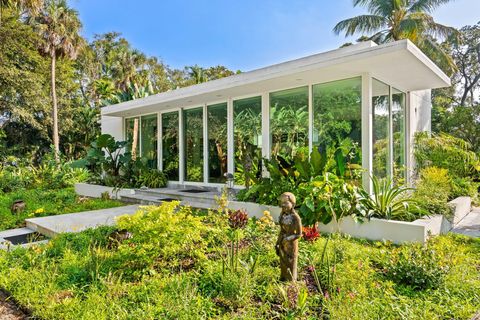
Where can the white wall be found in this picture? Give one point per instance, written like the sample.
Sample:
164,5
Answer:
419,118
112,126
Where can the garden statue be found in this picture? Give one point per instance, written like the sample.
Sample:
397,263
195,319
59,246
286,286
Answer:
290,232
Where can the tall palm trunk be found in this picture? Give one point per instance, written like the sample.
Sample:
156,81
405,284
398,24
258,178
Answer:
56,143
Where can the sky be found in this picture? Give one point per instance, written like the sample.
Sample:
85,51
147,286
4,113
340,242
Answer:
241,35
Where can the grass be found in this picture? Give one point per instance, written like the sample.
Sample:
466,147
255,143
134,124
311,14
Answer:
174,268
41,203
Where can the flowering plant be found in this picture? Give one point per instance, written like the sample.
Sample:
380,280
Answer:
310,233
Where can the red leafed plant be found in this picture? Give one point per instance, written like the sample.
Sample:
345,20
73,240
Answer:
237,219
310,233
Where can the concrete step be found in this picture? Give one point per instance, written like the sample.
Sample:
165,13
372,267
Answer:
22,237
76,222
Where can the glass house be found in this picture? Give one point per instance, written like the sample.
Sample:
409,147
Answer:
377,96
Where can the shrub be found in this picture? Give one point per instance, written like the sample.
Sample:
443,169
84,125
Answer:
433,190
388,201
416,266
152,178
445,151
462,187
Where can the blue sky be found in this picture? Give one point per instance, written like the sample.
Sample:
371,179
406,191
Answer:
243,35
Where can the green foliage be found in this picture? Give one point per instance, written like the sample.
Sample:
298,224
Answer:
167,237
15,175
152,178
433,190
151,276
287,175
112,166
328,198
445,151
40,203
389,201
417,266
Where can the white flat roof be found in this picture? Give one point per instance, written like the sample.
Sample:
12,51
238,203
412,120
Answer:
400,64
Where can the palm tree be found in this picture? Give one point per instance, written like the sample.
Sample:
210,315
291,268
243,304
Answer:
32,7
197,74
392,20
58,26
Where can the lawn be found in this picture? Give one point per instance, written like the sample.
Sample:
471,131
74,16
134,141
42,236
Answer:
179,265
40,202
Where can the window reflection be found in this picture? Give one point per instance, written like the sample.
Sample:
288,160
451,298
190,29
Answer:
170,149
381,114
193,144
289,122
247,139
149,140
398,124
217,142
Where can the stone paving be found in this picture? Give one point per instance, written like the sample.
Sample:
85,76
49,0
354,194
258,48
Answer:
470,225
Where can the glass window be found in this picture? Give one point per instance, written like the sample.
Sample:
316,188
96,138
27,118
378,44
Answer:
337,107
217,142
289,121
337,115
170,155
193,142
398,124
247,121
132,125
381,115
148,140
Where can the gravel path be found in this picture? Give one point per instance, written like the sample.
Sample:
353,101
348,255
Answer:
9,310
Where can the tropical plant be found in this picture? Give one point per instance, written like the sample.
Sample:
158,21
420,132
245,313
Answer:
392,20
328,198
445,151
152,178
59,27
389,201
32,7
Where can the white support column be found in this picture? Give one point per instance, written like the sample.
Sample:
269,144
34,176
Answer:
205,144
390,163
265,130
409,163
367,114
159,142
310,120
181,148
230,137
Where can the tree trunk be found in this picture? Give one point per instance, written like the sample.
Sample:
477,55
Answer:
56,142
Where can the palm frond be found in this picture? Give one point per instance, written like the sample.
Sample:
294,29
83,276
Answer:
360,24
433,50
426,5
376,7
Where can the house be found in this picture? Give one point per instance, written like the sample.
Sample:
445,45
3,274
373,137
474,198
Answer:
377,96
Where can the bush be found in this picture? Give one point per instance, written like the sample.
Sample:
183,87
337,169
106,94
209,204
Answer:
416,266
152,178
433,190
48,175
447,152
462,187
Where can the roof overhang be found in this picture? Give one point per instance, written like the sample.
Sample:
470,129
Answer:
400,64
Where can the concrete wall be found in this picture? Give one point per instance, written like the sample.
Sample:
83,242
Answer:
112,126
419,118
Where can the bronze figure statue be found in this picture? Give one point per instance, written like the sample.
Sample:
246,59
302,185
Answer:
290,232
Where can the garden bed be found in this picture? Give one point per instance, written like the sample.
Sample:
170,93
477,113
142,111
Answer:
378,229
41,203
159,273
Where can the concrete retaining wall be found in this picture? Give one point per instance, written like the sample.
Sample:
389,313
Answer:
95,191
